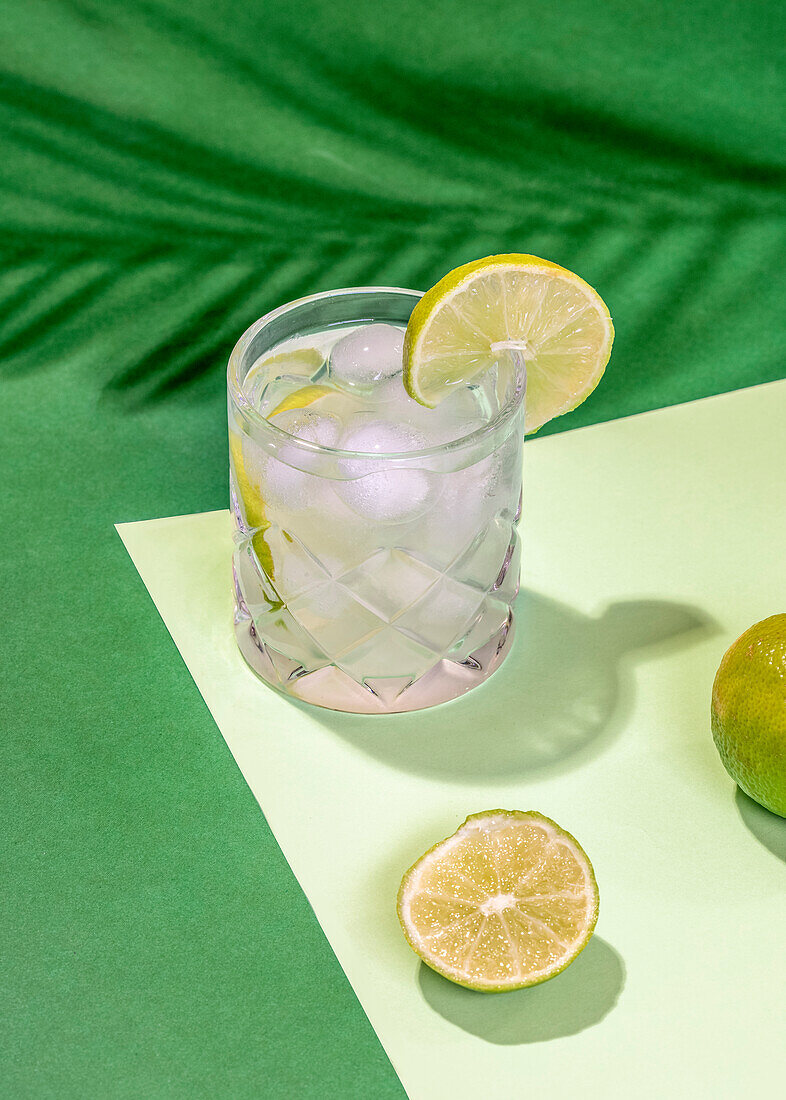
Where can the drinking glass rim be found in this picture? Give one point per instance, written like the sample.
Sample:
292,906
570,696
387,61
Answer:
279,436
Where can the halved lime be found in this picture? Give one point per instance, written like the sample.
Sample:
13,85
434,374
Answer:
484,310
508,901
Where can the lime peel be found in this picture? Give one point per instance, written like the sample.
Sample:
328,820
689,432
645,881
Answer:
748,712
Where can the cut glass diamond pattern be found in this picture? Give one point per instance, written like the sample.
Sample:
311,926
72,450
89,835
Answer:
441,615
506,586
491,618
387,653
480,563
258,589
334,618
392,632
390,581
384,624
297,571
284,633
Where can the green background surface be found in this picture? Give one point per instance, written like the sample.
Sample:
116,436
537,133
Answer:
170,171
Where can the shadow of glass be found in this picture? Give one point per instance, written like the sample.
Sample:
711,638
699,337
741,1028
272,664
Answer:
574,1000
768,828
564,688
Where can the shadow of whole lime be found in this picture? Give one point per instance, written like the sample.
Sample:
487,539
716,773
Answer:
768,828
574,1000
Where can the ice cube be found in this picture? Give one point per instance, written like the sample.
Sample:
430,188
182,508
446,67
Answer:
367,355
378,491
395,404
466,503
285,480
311,426
456,416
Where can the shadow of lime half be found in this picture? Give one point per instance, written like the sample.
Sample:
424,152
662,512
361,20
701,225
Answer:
574,1000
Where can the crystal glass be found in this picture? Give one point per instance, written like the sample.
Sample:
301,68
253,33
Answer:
370,581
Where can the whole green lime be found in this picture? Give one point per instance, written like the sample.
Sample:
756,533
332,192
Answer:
749,712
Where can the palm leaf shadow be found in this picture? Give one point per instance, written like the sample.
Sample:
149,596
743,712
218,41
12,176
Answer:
540,174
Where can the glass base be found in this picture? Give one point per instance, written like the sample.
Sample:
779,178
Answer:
333,689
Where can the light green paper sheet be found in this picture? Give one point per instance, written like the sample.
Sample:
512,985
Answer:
650,543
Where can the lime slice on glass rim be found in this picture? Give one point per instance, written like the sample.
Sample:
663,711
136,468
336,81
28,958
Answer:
477,313
508,901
